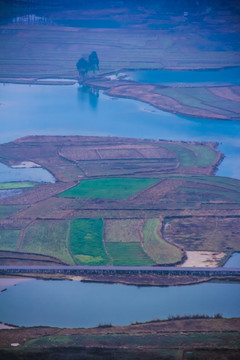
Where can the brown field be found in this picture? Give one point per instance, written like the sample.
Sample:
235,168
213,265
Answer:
125,230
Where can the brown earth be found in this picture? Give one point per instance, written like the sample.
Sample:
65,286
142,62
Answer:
186,326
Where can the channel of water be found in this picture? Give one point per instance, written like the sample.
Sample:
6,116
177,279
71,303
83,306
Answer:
74,110
79,304
194,77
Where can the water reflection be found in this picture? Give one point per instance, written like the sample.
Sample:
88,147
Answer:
89,95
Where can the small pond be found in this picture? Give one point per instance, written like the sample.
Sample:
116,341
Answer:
222,76
79,304
234,261
73,110
37,174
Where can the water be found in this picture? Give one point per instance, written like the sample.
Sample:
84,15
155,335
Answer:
223,76
25,174
234,261
77,304
70,110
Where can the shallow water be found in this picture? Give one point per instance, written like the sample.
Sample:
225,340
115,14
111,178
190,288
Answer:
77,304
234,261
73,110
25,174
222,76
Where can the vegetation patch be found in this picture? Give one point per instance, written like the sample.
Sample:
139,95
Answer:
48,237
108,188
9,239
219,234
185,156
86,243
205,156
6,210
123,230
128,254
16,185
157,248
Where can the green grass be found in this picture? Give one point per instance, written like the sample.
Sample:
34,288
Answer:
193,155
16,185
86,243
49,237
108,188
157,248
205,156
128,254
6,210
9,239
185,156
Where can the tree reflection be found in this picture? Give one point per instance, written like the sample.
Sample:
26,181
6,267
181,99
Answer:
86,94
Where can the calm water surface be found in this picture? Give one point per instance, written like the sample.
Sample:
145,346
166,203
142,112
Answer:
223,76
22,174
234,261
72,110
77,304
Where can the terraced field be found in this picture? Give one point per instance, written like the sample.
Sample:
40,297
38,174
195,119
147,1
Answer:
163,203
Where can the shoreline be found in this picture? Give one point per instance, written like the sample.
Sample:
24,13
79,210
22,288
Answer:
129,89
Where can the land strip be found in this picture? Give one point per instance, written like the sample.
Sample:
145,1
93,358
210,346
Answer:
186,338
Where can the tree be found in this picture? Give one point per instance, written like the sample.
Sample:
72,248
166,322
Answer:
93,61
82,67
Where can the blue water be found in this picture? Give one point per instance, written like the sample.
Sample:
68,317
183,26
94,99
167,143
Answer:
223,76
25,174
234,261
70,110
77,304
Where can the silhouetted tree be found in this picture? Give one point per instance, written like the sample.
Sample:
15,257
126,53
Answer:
93,61
82,67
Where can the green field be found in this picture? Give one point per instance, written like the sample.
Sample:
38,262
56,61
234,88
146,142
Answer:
185,156
193,155
157,248
205,156
108,188
86,243
9,239
128,254
16,185
49,237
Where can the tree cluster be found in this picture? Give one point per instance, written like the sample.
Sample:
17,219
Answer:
84,66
